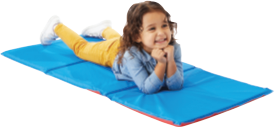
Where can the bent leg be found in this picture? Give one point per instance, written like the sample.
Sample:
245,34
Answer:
94,52
113,48
69,37
109,33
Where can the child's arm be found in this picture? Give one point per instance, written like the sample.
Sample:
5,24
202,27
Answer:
174,70
160,70
146,82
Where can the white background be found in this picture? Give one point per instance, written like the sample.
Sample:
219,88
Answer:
232,38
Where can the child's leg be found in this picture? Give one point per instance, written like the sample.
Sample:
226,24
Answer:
94,52
109,33
113,48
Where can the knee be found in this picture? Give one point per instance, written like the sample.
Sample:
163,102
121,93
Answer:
79,47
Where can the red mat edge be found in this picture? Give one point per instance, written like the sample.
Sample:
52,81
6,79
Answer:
182,124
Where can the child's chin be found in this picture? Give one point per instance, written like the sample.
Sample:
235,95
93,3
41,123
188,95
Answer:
161,47
164,45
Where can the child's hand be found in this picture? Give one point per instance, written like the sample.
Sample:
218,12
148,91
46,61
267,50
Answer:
169,50
158,54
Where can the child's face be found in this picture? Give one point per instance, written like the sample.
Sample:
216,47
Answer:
155,31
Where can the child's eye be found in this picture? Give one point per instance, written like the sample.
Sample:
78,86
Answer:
153,28
165,25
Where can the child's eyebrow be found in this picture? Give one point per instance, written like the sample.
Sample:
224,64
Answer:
164,21
150,25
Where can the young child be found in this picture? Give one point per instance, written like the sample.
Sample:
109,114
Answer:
146,53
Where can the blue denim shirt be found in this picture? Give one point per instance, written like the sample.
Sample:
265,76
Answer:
140,69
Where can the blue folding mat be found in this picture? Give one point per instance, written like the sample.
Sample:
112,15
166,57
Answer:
204,94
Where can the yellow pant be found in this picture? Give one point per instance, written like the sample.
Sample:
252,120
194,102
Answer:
102,53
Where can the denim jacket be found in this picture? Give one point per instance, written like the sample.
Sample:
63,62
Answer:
140,69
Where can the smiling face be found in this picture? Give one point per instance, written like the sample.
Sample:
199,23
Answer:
155,31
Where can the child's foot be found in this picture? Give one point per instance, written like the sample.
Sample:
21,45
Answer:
48,35
96,30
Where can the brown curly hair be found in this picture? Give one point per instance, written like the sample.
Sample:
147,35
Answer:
132,29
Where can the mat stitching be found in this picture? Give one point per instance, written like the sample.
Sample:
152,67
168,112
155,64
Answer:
64,66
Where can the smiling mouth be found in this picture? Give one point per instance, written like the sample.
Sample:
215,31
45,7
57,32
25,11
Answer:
161,41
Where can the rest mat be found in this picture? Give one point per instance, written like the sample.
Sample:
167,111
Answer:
204,94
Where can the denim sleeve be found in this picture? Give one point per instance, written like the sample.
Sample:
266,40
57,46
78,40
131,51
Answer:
175,82
147,83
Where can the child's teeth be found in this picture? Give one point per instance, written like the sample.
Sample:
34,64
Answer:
161,40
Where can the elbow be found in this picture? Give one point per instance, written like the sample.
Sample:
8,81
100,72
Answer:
149,91
150,87
176,86
181,85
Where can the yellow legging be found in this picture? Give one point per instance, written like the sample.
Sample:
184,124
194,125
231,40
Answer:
102,53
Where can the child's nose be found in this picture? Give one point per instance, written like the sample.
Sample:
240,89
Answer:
160,32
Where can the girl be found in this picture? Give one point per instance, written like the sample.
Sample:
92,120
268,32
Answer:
146,53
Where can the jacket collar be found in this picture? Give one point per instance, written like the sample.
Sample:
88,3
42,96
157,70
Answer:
143,54
147,57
